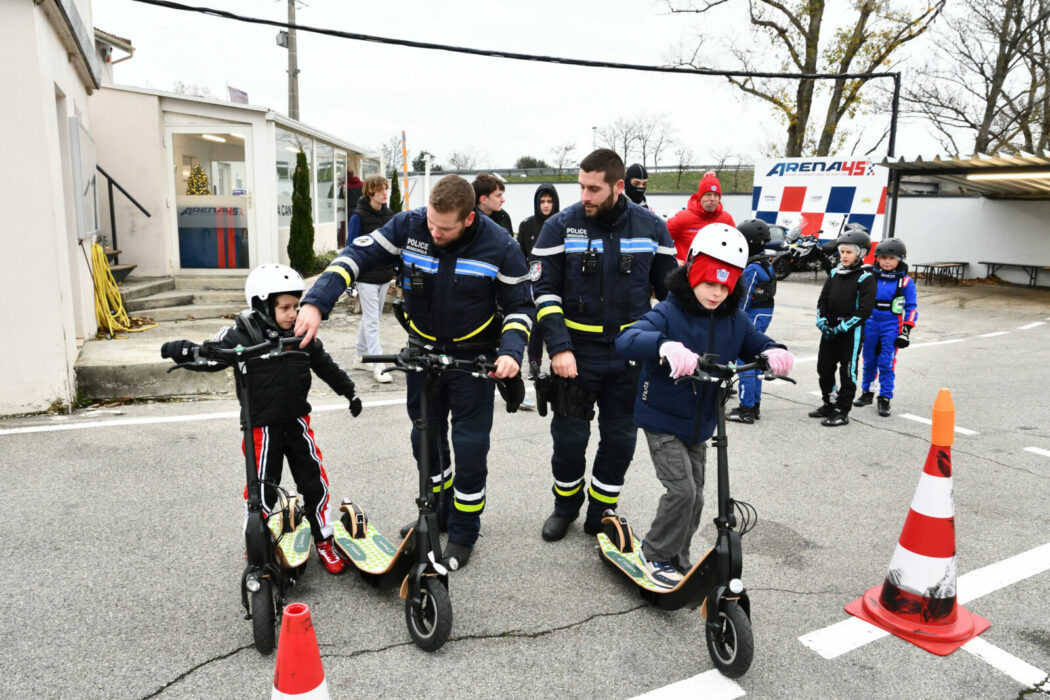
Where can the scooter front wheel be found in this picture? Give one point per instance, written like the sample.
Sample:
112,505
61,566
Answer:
732,646
264,617
430,622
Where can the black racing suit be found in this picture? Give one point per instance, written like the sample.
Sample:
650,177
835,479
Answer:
845,303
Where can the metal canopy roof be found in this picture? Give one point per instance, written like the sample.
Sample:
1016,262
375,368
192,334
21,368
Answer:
953,171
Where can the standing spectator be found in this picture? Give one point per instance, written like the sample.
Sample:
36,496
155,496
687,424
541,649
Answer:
353,188
599,258
370,214
704,208
635,183
545,205
488,193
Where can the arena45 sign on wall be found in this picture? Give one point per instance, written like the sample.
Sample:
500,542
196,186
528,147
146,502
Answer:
820,194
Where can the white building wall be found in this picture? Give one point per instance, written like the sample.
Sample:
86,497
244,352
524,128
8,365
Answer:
48,267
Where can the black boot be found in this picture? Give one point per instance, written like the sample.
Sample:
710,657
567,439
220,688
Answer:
828,409
884,406
556,525
755,410
865,399
742,414
456,555
835,419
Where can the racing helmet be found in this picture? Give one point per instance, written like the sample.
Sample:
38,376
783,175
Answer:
266,282
891,246
855,236
721,242
756,232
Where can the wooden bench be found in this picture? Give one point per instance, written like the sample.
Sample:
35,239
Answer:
1032,270
941,271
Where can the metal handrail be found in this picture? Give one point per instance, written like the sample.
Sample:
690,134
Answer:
111,183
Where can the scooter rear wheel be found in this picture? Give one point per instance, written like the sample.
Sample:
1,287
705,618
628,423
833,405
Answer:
732,647
430,623
264,617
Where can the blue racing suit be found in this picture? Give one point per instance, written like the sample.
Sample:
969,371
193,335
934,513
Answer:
760,286
896,309
594,279
453,298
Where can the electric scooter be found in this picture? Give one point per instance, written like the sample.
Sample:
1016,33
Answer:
714,581
428,607
277,547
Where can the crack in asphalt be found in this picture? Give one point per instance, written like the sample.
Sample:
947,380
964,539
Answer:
1042,687
512,634
201,665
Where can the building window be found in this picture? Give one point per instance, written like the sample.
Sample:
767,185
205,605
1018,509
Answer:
287,145
326,191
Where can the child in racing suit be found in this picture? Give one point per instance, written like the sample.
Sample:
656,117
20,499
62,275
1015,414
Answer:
889,327
278,387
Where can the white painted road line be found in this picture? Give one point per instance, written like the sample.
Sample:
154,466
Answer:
1021,671
817,393
927,421
1032,325
710,685
992,335
852,633
1038,451
800,360
936,342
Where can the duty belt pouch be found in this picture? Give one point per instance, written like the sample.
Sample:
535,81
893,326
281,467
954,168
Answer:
542,382
572,399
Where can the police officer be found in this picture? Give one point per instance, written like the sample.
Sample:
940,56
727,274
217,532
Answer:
457,266
598,259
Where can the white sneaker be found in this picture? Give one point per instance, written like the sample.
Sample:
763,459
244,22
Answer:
661,573
527,404
377,372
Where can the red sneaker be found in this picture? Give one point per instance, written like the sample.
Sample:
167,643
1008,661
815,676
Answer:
331,560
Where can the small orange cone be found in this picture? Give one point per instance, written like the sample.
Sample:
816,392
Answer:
298,673
916,602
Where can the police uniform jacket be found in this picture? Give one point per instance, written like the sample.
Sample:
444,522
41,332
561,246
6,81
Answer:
633,253
453,294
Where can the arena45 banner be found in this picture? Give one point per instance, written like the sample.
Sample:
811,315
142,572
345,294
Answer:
820,194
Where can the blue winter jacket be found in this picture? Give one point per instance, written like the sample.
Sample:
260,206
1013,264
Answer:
687,410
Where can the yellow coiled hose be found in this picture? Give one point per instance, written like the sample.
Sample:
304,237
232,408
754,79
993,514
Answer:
109,306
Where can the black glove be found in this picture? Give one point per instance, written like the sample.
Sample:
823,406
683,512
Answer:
355,406
178,350
903,340
513,391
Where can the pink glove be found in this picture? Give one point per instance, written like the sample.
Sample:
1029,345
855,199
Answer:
780,361
681,359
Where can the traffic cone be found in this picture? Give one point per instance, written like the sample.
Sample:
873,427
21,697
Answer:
916,602
298,673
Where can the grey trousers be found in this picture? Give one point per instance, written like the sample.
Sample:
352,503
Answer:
680,468
372,297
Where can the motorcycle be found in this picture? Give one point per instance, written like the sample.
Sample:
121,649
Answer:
804,253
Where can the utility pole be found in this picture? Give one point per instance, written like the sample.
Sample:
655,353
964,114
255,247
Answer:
293,65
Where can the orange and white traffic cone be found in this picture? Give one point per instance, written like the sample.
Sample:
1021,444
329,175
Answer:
916,602
298,673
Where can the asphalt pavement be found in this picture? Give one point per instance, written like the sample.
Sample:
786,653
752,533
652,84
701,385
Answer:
123,548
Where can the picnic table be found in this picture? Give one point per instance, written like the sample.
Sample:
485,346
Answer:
941,271
1032,270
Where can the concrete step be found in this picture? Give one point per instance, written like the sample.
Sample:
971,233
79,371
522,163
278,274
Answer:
160,300
191,311
196,282
138,287
218,296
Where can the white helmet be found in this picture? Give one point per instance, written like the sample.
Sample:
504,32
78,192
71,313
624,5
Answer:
721,242
267,281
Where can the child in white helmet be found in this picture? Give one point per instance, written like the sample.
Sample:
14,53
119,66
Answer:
700,315
278,388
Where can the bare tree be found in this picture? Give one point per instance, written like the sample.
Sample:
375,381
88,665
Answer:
790,32
562,155
661,142
650,128
621,136
683,156
463,160
993,85
391,152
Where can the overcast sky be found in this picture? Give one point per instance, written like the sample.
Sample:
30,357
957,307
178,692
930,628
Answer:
496,109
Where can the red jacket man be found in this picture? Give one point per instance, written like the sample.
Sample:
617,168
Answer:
705,207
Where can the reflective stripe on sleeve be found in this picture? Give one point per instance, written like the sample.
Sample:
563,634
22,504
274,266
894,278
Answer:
553,250
548,310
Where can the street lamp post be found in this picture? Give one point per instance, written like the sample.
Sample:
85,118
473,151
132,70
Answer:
594,138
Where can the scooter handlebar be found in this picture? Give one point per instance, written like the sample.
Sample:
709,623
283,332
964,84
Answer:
209,353
411,360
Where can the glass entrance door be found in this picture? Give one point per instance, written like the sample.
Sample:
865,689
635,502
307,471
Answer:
212,196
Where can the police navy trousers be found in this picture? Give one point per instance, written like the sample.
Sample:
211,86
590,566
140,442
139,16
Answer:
469,400
603,371
751,382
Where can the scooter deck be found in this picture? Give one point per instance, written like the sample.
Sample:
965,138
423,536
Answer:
293,549
373,553
631,564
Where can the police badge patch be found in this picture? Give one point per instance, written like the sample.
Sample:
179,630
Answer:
535,271
364,241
